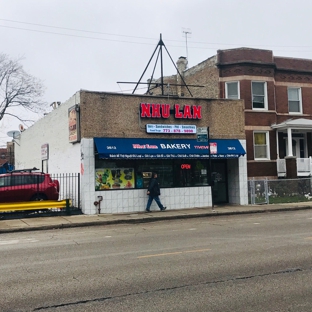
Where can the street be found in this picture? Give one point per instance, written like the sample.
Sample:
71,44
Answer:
258,262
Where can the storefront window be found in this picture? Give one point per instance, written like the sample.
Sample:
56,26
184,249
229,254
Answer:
163,168
114,174
114,178
129,174
191,173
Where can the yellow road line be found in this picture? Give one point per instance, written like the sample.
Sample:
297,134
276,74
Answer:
172,253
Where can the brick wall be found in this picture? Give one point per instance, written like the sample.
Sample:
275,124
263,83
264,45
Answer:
4,157
306,93
117,115
281,99
293,64
7,154
205,74
260,119
243,55
260,170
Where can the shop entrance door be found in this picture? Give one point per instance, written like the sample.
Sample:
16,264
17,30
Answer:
220,181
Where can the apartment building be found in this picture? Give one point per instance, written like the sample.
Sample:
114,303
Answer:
277,94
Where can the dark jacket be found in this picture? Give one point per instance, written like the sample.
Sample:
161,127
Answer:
153,187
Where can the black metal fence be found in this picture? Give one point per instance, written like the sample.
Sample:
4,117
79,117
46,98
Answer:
29,185
69,188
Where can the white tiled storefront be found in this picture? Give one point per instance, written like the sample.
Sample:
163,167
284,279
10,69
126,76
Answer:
134,200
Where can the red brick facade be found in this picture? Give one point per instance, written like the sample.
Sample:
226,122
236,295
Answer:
247,65
7,154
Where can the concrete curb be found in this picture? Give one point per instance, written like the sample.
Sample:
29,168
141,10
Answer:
154,218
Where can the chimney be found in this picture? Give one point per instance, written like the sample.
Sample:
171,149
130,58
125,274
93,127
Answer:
181,65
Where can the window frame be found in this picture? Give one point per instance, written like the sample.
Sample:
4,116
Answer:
267,138
265,95
226,90
299,100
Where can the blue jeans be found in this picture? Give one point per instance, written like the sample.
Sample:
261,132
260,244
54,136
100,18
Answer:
157,200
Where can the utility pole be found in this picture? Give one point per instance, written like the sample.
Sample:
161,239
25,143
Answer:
186,32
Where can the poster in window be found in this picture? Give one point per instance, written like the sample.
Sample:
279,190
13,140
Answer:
114,178
213,148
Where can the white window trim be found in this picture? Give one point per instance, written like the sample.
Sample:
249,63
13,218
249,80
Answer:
300,101
226,89
265,96
267,145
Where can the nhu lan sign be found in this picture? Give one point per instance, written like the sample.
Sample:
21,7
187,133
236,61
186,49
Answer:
148,110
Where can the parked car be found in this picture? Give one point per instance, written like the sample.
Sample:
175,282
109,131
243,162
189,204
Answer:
26,185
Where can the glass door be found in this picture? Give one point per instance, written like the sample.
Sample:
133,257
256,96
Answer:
297,147
219,179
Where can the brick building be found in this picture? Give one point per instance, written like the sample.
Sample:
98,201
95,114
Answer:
277,92
3,156
117,140
7,154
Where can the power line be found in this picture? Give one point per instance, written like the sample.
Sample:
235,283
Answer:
80,30
142,43
135,37
70,35
74,29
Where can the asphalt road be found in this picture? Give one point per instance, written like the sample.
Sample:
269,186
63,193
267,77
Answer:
259,262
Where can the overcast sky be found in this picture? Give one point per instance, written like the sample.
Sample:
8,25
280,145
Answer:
78,44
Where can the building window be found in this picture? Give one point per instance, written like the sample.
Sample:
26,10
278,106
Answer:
130,174
294,100
259,95
261,145
232,90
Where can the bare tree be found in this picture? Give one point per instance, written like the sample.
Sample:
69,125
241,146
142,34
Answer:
18,88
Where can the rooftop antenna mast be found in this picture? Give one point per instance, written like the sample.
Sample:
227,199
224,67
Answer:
160,46
186,32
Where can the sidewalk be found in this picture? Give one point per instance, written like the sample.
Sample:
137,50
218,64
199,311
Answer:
58,222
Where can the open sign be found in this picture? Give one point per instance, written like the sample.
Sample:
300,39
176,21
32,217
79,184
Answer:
185,166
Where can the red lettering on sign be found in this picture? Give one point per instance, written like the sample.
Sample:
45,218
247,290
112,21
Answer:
156,111
185,166
177,114
187,112
197,112
165,110
145,110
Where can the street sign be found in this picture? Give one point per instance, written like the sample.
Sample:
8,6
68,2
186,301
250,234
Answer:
202,137
202,134
201,130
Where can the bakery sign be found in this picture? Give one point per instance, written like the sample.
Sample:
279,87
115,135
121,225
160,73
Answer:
150,110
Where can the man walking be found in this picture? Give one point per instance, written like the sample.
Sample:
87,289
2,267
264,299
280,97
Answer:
153,192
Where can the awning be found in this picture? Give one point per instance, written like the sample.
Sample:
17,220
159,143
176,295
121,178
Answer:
133,148
298,124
